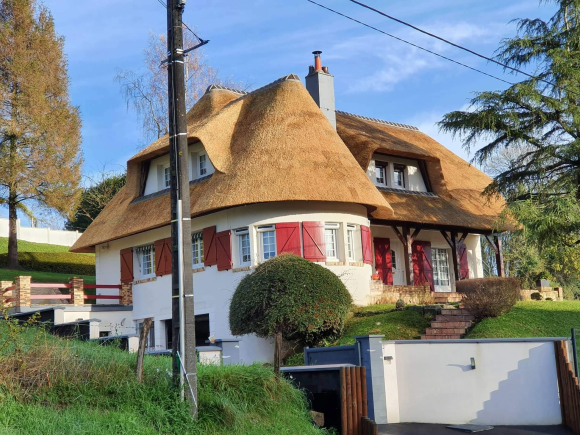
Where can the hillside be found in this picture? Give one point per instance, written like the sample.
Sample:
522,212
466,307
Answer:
47,263
57,386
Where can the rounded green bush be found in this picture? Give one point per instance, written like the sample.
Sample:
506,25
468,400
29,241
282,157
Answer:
287,294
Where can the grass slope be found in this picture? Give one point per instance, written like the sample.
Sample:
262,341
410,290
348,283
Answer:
23,246
58,386
531,319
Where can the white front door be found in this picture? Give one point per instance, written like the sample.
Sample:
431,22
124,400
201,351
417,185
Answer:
397,264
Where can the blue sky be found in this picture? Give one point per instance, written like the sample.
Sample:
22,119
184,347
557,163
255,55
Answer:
258,41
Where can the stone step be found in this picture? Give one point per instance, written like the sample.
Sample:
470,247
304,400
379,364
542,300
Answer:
445,331
455,312
440,337
453,324
453,318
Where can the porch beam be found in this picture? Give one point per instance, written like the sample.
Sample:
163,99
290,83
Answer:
453,244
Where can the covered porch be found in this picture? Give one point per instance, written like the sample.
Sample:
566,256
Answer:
429,258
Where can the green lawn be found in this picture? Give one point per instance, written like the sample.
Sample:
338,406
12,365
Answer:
32,247
531,319
44,277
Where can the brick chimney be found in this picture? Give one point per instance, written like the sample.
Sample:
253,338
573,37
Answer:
320,84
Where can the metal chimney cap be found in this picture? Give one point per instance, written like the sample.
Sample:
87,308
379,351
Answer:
317,53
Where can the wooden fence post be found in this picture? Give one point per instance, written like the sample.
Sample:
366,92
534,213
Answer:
22,291
77,291
142,345
278,353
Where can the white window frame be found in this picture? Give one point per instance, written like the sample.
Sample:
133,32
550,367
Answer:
262,230
402,169
334,227
242,234
394,259
437,268
384,166
199,168
197,250
350,230
140,252
166,181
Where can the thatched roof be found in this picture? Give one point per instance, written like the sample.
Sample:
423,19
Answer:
457,184
273,144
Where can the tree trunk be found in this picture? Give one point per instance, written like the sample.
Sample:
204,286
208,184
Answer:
142,345
278,354
12,234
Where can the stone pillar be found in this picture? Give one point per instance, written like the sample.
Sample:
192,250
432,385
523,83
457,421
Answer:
560,291
77,291
22,291
4,285
126,293
371,355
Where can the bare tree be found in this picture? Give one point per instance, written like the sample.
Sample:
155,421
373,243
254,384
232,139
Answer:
146,92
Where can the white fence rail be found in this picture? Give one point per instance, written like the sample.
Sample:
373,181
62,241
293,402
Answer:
40,235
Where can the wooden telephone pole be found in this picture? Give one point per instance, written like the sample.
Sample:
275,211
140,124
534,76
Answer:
183,319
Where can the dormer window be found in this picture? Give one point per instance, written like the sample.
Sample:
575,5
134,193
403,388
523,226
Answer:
381,173
167,176
399,176
202,164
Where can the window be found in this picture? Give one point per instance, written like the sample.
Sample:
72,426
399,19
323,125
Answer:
440,267
393,259
146,259
167,177
381,173
202,161
399,176
197,249
267,234
151,335
350,241
244,245
331,241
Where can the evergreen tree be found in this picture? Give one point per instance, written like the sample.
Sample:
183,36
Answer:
539,118
39,128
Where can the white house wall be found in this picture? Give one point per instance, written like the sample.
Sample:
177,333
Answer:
213,289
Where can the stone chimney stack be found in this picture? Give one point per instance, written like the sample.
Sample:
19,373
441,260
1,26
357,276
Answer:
320,84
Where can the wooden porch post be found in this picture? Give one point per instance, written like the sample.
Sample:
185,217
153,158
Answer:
495,243
407,240
454,244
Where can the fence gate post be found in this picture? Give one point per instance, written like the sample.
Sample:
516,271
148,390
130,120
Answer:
126,293
77,291
22,291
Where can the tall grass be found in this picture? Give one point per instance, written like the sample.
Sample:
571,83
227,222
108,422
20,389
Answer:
56,386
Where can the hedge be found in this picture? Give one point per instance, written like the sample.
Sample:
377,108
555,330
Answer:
59,262
489,297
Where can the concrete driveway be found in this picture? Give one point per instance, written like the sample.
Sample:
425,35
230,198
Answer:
434,429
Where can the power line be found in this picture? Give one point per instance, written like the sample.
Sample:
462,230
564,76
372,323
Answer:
184,24
412,44
457,45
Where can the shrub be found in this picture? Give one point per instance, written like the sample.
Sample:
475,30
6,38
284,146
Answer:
400,304
489,297
295,297
59,262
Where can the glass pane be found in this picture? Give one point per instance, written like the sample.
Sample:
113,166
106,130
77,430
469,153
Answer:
330,241
245,248
350,244
269,244
202,165
380,174
167,177
399,178
393,259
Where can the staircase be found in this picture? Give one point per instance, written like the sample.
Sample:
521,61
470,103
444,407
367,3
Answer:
450,324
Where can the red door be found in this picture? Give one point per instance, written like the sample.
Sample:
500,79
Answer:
383,262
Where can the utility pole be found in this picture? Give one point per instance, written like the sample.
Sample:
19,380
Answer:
183,319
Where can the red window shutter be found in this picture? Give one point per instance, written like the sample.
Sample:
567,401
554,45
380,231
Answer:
163,257
224,250
209,246
367,244
313,236
383,260
127,265
422,267
288,238
463,264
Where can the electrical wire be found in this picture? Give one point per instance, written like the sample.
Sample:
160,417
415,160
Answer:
412,44
184,25
457,45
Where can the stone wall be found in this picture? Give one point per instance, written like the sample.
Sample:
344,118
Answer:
546,293
390,294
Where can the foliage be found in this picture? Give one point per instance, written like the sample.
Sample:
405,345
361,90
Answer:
287,294
400,304
62,262
394,325
40,156
146,92
69,387
489,297
94,199
531,319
